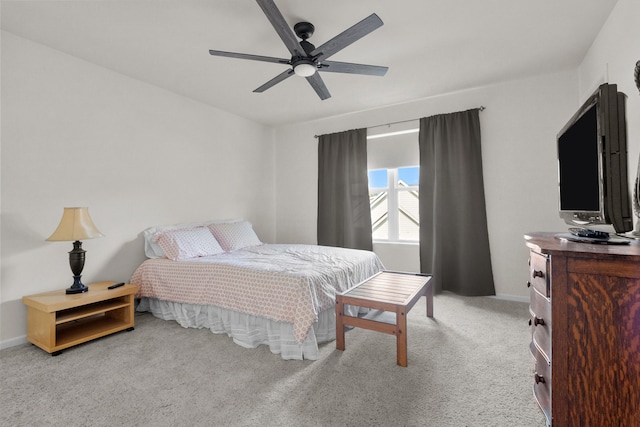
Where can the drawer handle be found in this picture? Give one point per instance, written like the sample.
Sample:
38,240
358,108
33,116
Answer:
538,321
537,273
538,378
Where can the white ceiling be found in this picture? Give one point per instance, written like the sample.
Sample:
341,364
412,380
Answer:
430,46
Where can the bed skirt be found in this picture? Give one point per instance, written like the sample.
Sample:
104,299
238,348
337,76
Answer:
247,330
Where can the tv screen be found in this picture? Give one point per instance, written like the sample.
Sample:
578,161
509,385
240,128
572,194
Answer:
592,164
578,158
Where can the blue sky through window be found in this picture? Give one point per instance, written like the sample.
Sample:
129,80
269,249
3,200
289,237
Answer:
378,178
410,176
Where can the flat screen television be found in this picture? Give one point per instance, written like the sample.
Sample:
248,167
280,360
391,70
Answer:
592,164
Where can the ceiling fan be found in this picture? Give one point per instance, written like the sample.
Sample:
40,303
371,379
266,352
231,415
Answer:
306,59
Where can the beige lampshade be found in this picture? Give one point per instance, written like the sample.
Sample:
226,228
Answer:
76,224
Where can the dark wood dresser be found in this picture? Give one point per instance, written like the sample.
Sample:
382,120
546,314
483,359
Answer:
585,331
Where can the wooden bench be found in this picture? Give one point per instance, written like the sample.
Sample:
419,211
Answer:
392,291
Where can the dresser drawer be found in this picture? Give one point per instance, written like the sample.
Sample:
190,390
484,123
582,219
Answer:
539,273
542,385
540,311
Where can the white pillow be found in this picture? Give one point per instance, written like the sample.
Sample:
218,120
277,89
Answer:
151,247
235,235
188,243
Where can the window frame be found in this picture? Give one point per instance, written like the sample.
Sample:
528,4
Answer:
393,209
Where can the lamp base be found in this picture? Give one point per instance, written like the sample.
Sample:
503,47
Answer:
73,290
78,287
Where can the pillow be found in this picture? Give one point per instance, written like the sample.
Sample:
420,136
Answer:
235,235
188,243
151,247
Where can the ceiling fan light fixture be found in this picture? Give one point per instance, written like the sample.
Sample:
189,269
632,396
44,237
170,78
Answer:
304,69
306,59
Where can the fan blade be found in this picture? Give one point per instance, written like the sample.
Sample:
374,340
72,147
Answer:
347,37
318,85
282,28
349,68
247,56
274,81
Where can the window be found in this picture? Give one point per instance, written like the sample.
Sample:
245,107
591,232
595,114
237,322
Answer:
393,197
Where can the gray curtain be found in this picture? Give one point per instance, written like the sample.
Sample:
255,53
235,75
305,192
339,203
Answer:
344,215
454,241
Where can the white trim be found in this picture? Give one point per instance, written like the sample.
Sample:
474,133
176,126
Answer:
392,205
398,242
13,342
510,298
400,132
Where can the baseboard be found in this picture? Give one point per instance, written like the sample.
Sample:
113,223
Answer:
13,342
23,339
511,298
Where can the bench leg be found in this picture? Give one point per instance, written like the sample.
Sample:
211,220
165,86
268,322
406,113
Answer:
401,336
339,324
429,297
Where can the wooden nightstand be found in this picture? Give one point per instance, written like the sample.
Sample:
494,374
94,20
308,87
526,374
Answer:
56,320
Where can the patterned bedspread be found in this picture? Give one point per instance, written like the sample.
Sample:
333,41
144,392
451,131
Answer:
288,283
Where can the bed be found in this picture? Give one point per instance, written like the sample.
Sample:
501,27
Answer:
220,276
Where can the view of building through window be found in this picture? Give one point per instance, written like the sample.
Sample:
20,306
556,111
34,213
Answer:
394,196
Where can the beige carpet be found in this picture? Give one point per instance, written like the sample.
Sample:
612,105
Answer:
470,366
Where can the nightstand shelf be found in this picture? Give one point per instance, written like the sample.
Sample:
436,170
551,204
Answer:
72,314
56,320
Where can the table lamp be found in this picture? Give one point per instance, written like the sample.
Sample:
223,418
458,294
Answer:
75,225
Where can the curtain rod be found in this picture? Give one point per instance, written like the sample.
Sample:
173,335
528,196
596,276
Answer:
481,108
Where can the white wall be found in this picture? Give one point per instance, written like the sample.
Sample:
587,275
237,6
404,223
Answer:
77,134
518,128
